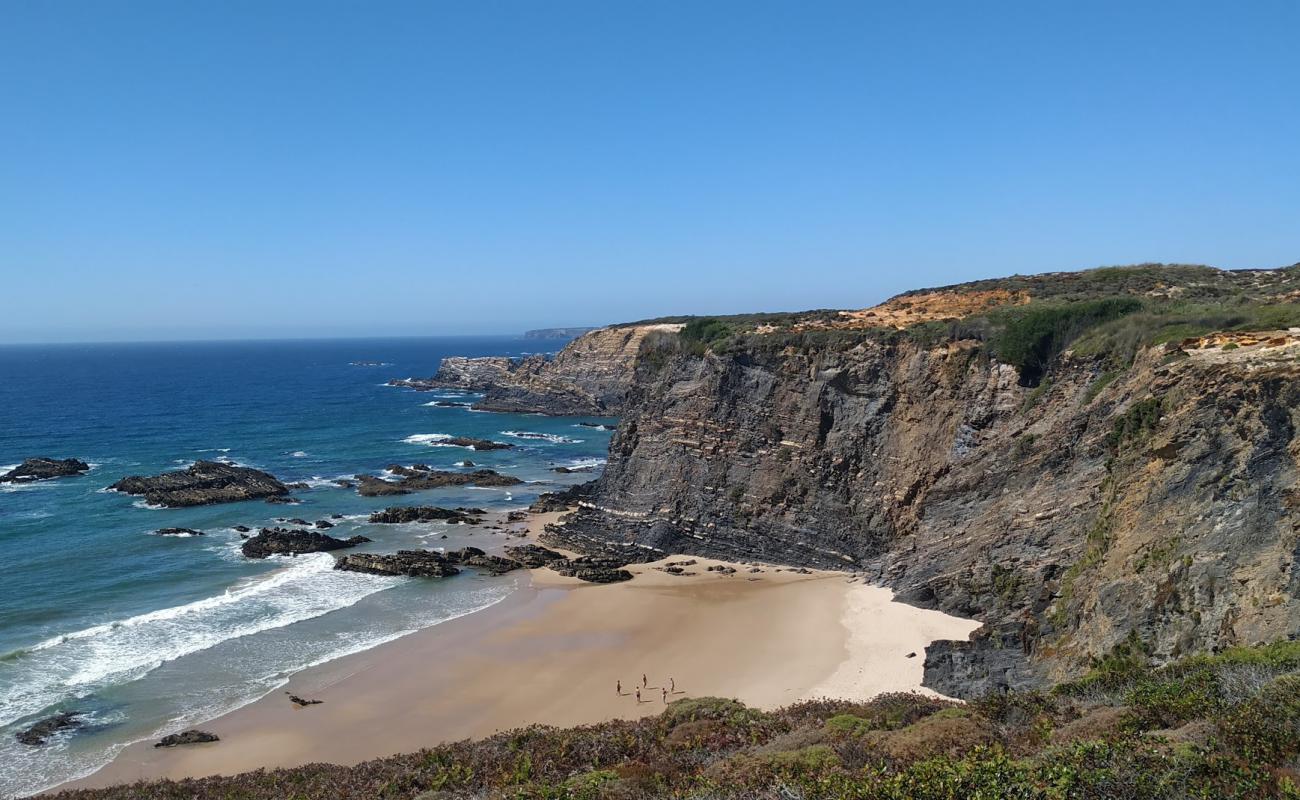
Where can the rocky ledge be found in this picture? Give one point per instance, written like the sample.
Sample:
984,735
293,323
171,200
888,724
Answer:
286,541
40,469
192,736
534,556
39,733
411,563
419,477
399,514
204,483
593,569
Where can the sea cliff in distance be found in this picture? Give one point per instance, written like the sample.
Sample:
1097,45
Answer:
557,333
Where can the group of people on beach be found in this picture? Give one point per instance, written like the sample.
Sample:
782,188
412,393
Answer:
671,688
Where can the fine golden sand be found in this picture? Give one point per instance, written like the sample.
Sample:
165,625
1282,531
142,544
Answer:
552,653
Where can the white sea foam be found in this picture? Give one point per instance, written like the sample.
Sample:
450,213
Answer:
148,505
593,427
581,463
553,438
318,482
299,454
428,439
78,663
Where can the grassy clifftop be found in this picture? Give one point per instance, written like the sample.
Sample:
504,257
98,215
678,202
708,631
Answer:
1222,726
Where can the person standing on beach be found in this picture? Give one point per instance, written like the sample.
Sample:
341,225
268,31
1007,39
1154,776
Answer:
665,691
672,685
644,681
618,688
638,695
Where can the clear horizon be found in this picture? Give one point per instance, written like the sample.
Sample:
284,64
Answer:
295,170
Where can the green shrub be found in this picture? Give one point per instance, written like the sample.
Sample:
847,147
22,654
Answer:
1033,335
1267,727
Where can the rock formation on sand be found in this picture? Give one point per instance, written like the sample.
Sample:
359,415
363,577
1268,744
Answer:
1027,451
40,468
204,483
590,376
192,736
419,477
286,541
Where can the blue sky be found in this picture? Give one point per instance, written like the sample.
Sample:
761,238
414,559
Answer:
246,169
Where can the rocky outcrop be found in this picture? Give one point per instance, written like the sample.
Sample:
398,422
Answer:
178,532
563,500
410,563
590,376
40,469
192,736
205,483
414,479
292,542
400,514
474,557
593,569
534,556
1155,501
40,732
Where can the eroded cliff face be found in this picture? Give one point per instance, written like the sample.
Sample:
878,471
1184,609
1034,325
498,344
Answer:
1158,503
590,376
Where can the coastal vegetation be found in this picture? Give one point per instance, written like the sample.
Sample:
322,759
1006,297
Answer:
1209,726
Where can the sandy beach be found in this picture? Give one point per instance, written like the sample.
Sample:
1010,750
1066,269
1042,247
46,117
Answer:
552,653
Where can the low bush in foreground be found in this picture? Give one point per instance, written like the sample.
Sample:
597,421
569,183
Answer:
1213,726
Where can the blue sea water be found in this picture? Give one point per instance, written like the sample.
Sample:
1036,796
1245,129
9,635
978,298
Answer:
148,634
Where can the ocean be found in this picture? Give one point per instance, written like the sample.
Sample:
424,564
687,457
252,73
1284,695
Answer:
149,634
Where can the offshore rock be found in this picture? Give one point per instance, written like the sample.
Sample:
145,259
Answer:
40,469
204,483
39,733
411,479
411,563
285,541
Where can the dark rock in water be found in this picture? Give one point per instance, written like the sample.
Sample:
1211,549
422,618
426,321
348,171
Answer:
39,469
324,524
474,557
241,529
336,516
450,404
344,483
399,514
296,521
412,563
204,483
467,463
39,733
572,470
593,569
177,532
284,541
298,485
192,736
533,555
475,444
300,702
415,479
286,501
596,425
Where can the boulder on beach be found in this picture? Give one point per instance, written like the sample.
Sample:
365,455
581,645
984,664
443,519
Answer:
204,483
192,736
41,468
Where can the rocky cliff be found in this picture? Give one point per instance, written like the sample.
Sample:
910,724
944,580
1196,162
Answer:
590,376
1038,458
